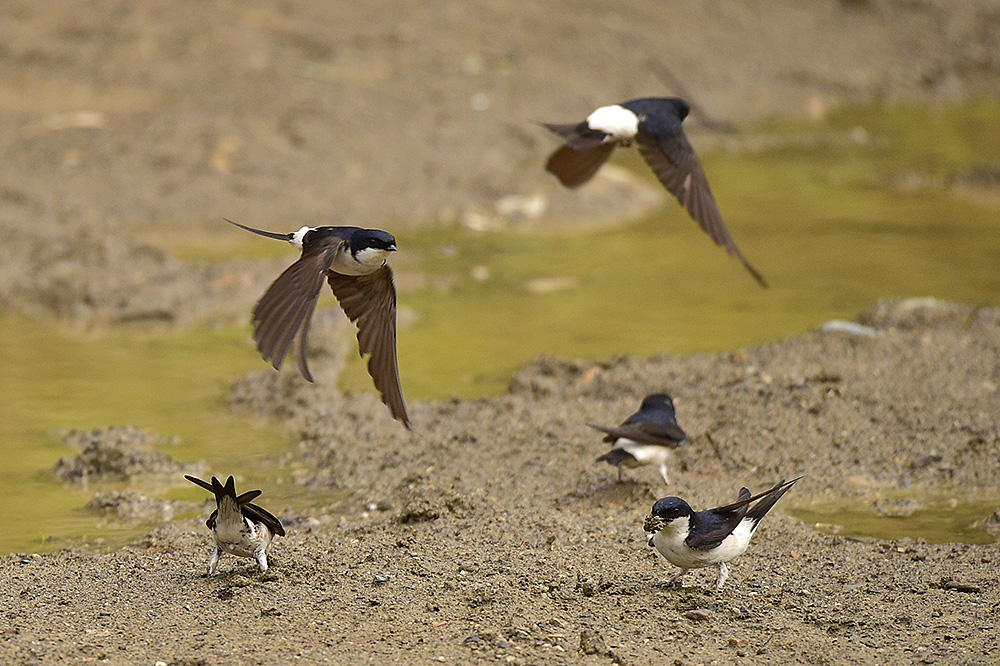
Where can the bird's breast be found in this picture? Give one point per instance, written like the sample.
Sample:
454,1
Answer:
366,261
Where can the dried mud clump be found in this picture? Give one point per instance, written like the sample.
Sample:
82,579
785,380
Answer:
910,314
423,502
114,454
134,507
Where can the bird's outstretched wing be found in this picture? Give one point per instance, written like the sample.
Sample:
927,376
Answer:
575,167
370,302
672,158
286,307
584,153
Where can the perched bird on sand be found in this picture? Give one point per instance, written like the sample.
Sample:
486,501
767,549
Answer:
239,527
654,124
693,539
648,437
353,261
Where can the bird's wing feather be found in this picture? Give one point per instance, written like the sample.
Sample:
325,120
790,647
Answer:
287,306
261,515
370,302
248,496
672,158
198,482
578,136
575,167
645,433
716,524
768,500
710,528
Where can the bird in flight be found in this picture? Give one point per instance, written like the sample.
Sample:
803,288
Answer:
353,261
654,124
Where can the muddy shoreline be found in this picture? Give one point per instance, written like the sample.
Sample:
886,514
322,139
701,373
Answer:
490,534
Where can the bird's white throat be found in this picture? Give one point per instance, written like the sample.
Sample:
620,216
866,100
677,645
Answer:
615,120
367,260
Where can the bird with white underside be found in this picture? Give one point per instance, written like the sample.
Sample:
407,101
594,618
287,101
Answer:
238,526
654,124
353,261
693,539
648,437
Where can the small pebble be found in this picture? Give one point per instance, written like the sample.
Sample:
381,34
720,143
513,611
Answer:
848,327
698,614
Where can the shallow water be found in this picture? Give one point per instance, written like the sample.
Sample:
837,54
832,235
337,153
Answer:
55,380
835,216
939,521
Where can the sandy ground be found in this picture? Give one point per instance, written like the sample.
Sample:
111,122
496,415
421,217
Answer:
488,534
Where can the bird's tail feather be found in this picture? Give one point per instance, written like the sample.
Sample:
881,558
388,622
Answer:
768,501
260,232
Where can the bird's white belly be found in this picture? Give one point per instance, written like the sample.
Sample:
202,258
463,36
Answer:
670,543
238,539
644,454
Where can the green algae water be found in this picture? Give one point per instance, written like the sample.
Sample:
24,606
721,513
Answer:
173,384
935,521
873,203
835,217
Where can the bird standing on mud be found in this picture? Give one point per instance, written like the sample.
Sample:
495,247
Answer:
654,124
693,539
353,262
240,528
648,437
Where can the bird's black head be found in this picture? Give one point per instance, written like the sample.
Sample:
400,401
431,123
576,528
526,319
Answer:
372,239
658,401
682,107
671,508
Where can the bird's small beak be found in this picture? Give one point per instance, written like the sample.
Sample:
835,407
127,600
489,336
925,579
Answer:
391,248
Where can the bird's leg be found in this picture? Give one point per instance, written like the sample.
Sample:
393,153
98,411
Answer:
261,556
723,575
621,477
663,473
676,578
213,562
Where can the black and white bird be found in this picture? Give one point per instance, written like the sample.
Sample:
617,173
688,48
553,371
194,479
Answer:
654,124
353,261
648,437
240,527
694,539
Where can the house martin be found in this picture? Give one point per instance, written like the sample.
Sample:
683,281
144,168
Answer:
353,262
654,124
240,527
648,437
693,539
